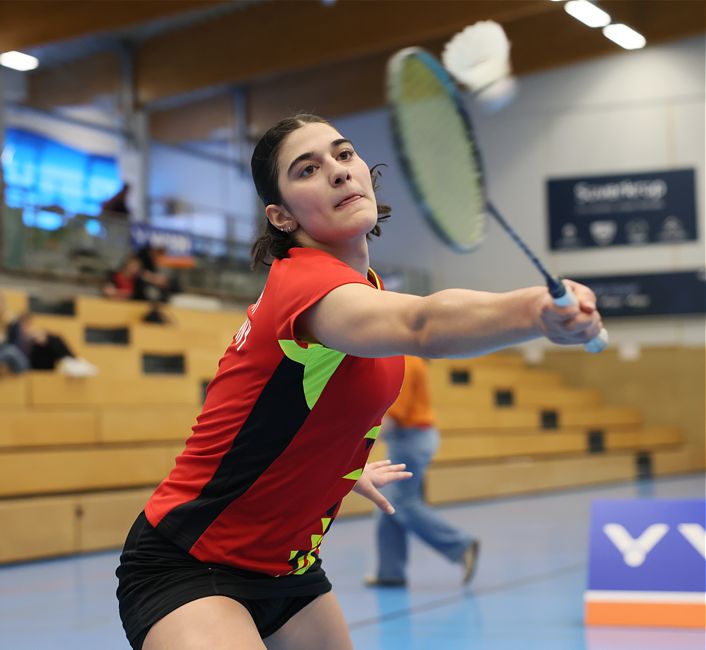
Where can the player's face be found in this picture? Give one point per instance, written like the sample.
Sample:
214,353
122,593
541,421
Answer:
325,186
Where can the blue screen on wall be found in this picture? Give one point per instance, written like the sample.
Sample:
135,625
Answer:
41,172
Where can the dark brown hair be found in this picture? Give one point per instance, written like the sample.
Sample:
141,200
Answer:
274,243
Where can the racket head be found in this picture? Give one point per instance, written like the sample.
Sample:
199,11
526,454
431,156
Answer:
436,146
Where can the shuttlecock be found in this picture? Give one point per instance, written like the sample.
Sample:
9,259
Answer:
479,58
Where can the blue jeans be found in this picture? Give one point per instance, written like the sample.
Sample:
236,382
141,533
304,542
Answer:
415,447
12,357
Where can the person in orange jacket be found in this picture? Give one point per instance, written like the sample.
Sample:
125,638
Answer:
411,438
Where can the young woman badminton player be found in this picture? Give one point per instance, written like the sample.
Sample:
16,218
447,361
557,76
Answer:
225,555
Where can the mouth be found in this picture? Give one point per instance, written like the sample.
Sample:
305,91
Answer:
351,198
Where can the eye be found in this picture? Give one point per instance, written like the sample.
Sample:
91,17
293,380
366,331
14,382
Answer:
346,154
307,171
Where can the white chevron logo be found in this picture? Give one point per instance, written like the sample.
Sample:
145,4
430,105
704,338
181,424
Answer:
695,535
634,551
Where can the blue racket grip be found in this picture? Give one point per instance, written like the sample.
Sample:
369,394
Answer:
596,344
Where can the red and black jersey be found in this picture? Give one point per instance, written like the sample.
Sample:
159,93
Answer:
284,433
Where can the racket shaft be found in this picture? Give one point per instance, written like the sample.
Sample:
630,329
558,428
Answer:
561,293
556,289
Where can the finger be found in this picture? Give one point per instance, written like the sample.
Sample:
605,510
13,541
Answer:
379,463
380,501
587,306
393,478
393,468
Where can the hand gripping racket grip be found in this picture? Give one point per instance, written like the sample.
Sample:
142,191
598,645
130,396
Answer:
597,344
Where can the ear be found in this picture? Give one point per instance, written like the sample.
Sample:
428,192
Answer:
280,218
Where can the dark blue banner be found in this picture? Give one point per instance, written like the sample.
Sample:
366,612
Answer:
622,210
658,294
176,244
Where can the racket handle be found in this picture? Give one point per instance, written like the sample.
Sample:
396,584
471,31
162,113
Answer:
566,299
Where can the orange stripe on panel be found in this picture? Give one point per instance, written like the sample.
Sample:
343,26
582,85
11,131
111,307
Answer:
691,615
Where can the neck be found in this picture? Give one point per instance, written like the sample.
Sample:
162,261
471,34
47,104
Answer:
353,252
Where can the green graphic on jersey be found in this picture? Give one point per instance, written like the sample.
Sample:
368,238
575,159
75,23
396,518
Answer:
319,365
301,560
355,475
373,433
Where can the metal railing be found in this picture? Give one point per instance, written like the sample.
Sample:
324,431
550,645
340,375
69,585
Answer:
85,249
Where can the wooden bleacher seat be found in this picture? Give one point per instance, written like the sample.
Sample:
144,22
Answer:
47,427
14,390
15,301
50,389
146,423
67,469
40,527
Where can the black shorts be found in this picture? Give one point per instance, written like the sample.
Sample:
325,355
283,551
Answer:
155,577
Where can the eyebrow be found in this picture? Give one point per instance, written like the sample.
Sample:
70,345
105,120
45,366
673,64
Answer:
310,154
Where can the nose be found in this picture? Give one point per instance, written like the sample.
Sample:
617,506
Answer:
339,173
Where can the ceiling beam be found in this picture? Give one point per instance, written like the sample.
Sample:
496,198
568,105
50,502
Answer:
195,121
75,83
25,23
272,37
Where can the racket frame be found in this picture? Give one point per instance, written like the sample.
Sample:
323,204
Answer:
394,67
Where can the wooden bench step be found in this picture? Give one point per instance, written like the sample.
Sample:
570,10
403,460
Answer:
465,449
156,338
449,483
506,359
42,527
492,376
486,447
14,391
488,397
23,428
49,389
16,302
99,311
509,418
141,424
38,472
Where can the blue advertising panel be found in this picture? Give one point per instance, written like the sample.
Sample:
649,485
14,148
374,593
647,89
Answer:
653,545
654,294
622,210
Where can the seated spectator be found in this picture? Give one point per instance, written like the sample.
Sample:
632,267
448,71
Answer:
126,283
159,285
12,359
47,351
116,206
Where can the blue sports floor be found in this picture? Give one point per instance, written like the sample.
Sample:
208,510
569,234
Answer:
527,594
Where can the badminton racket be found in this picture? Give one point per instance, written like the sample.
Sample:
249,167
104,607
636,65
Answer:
441,158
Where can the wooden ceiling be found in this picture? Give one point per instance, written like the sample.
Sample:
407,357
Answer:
287,55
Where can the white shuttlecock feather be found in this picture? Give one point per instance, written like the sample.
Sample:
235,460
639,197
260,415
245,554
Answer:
479,58
479,55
